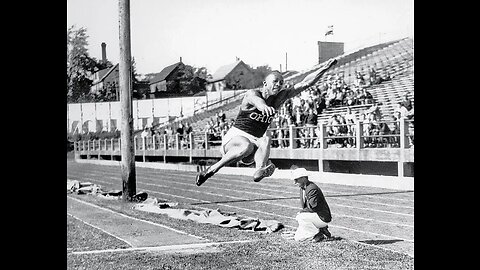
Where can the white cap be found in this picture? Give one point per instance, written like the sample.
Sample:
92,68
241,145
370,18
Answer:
299,172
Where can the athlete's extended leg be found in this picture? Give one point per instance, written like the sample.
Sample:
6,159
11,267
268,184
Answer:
262,155
236,149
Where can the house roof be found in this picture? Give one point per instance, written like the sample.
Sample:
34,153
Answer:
103,73
223,71
162,75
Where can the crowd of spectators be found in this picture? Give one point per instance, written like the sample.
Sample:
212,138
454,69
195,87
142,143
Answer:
302,113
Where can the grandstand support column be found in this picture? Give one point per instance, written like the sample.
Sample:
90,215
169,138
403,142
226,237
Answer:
403,146
144,145
190,143
111,148
165,143
206,140
322,137
403,134
177,142
125,86
154,136
358,135
291,137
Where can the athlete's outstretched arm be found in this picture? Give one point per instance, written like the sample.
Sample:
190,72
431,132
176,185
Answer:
253,98
310,79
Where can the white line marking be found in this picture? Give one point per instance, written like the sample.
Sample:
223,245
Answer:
218,181
229,184
161,248
262,212
98,228
279,205
255,193
137,219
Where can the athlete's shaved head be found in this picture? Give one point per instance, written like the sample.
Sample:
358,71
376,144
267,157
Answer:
273,83
274,72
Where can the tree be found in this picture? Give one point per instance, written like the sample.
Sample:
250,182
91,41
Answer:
79,66
188,80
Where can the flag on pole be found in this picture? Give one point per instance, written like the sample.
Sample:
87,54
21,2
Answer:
329,30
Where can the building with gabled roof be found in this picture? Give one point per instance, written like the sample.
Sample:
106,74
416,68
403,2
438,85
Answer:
237,72
104,77
158,82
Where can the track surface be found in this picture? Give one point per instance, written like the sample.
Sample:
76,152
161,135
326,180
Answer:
380,217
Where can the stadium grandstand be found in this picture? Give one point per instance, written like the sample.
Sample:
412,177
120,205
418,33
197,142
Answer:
392,59
375,84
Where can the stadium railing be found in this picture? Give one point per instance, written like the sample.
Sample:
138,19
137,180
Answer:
296,137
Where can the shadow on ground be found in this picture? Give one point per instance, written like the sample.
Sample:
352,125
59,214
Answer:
380,242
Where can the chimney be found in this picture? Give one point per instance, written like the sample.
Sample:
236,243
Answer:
180,59
104,52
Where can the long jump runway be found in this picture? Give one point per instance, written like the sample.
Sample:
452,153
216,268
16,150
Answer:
379,217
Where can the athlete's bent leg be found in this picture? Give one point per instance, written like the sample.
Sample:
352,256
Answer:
236,149
263,152
262,155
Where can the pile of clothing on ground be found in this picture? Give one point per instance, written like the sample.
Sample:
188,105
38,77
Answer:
216,217
77,187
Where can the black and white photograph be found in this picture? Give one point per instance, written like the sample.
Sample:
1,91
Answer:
226,134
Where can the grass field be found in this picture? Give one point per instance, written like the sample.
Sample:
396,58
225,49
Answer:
263,251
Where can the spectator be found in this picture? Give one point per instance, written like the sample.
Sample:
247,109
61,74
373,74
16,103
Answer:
299,117
386,76
339,97
333,129
365,97
310,122
188,129
319,105
372,76
400,111
180,130
350,119
372,129
350,97
395,141
406,102
169,139
145,132
359,80
383,129
375,110
330,98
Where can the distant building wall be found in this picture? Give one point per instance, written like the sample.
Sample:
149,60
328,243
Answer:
327,50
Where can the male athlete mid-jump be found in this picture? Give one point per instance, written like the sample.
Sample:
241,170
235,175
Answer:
246,141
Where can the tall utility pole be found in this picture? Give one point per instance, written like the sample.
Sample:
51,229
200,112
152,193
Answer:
286,62
125,83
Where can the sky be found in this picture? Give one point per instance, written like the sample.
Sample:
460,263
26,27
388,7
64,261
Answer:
213,33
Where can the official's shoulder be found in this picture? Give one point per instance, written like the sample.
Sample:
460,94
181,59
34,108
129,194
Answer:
312,185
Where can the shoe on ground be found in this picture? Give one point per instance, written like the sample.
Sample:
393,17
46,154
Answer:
325,231
264,172
319,237
203,176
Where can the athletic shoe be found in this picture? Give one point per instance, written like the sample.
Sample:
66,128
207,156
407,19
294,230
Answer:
264,172
203,176
319,237
325,231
